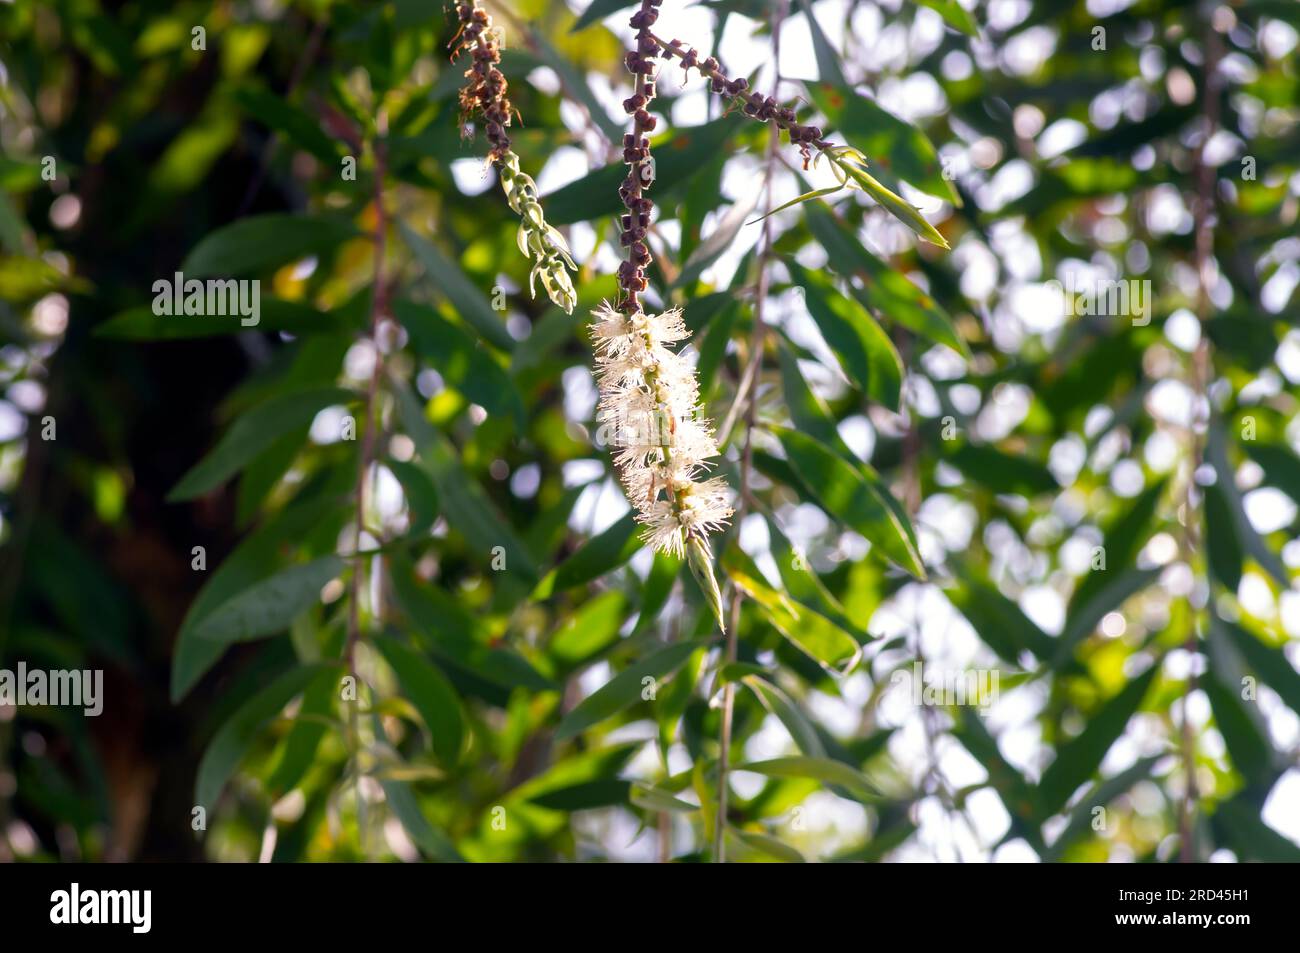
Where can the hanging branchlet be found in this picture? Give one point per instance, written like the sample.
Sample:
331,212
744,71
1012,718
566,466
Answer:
484,93
539,241
485,96
848,165
635,223
752,104
649,405
649,394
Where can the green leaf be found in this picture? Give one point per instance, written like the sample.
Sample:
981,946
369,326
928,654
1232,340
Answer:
291,317
766,844
853,495
603,553
465,505
1100,795
828,61
998,621
431,694
421,494
453,285
678,155
253,560
865,352
432,842
575,85
461,362
299,749
650,798
778,703
887,141
895,205
13,227
232,741
1222,547
1281,466
1216,454
623,689
598,10
808,411
818,637
799,200
656,589
1011,786
1243,733
826,770
263,242
1238,823
253,432
803,583
1082,622
269,606
720,239
885,290
277,114
1078,759
1001,472
588,632
954,14
453,634
1269,662
1121,543
585,795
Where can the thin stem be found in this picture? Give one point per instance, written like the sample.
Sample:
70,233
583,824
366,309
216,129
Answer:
1201,372
305,59
378,306
750,399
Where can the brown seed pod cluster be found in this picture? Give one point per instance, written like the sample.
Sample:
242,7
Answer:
485,92
635,223
754,105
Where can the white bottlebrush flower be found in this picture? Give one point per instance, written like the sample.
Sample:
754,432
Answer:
649,400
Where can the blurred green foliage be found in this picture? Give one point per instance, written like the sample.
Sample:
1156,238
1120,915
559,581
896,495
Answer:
941,471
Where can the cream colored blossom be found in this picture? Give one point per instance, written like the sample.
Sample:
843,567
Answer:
649,403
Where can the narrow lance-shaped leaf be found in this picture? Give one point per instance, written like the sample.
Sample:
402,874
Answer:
406,808
623,689
460,361
817,636
432,696
865,352
602,553
880,287
1078,759
884,138
822,769
828,61
1268,661
238,733
268,607
263,242
847,494
254,432
954,14
449,282
466,506
895,205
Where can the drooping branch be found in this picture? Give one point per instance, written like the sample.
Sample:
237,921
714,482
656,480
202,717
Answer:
847,163
485,96
636,153
753,104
